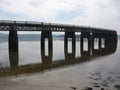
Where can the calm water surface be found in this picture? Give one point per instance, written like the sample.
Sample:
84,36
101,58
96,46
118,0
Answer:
96,72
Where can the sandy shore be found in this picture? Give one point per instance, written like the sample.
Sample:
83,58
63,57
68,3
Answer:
95,80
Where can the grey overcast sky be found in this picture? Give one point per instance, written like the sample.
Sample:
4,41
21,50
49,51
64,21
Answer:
97,13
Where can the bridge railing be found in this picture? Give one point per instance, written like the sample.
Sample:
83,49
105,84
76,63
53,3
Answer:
26,25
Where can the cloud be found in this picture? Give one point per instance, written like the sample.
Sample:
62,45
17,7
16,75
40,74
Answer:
99,13
102,13
35,8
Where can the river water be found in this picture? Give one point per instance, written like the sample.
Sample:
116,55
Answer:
28,72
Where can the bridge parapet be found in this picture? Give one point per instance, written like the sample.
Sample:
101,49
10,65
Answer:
40,26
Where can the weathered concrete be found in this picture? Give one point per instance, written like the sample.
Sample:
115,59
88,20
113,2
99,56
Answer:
48,35
69,56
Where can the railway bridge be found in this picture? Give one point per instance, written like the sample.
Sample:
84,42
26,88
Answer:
89,34
106,42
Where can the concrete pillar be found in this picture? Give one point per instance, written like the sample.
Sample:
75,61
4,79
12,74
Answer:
99,43
88,36
69,34
48,35
114,41
14,59
97,35
13,47
13,39
108,42
111,41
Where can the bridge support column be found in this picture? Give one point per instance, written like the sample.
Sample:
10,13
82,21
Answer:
85,40
114,41
46,58
110,41
69,55
106,39
97,42
13,47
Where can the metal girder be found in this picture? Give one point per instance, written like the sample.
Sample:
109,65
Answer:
41,26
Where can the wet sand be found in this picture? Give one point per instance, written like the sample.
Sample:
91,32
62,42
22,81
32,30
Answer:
55,81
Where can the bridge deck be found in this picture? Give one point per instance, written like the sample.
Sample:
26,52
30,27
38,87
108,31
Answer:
6,25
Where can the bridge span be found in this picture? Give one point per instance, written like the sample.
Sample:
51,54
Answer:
6,25
106,40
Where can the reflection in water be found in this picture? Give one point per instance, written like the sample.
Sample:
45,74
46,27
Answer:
13,57
70,59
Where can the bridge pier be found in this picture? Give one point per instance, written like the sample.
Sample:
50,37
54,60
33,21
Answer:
85,39
13,58
106,39
114,41
13,39
110,41
69,35
98,39
13,47
46,58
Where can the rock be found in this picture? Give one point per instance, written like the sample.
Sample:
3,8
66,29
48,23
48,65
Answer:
117,86
102,88
88,88
74,88
96,85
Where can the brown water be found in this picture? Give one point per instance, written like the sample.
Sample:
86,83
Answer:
97,72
